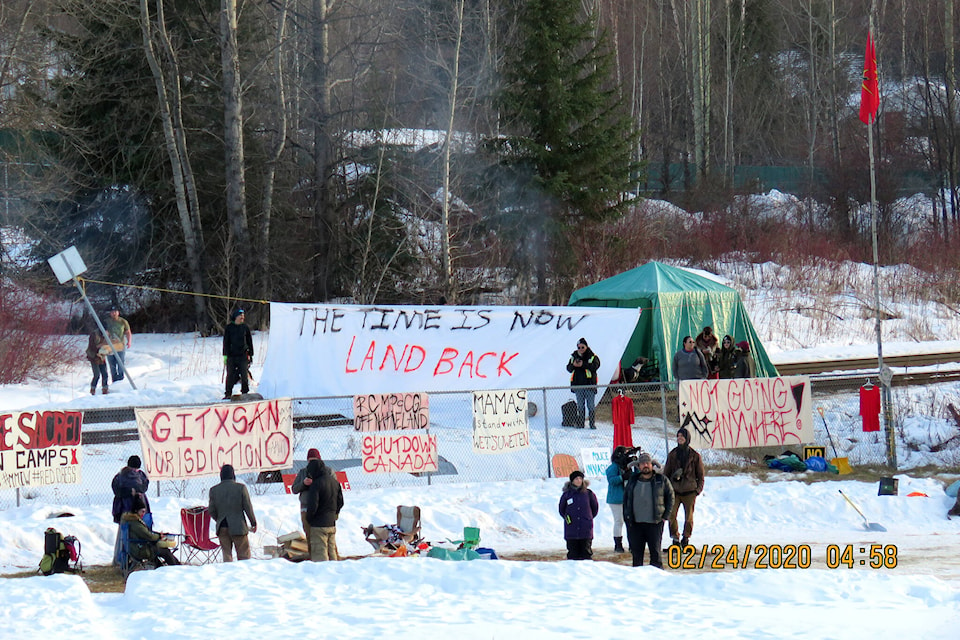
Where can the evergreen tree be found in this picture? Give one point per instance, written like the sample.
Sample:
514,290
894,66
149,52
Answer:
569,141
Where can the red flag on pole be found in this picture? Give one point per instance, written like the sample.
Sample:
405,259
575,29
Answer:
869,91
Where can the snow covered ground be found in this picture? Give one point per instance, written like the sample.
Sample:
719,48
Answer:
916,593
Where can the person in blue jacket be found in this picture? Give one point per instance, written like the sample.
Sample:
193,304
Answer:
578,507
615,498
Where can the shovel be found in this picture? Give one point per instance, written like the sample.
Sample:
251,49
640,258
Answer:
870,526
842,464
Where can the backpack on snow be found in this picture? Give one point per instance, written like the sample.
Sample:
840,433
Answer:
59,552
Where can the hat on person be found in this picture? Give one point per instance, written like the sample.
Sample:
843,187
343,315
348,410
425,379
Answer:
134,462
744,346
682,431
137,503
644,457
576,474
313,454
227,472
582,341
236,313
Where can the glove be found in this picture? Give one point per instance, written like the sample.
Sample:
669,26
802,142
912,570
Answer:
224,359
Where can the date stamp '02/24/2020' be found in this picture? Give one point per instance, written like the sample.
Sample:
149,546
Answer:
781,556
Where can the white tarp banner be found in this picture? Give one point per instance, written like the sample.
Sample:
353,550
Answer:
348,350
39,448
500,421
189,442
750,412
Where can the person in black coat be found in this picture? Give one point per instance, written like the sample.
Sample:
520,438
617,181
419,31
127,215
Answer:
237,353
323,504
583,365
129,483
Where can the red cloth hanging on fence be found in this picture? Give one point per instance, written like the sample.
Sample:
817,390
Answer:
623,417
870,407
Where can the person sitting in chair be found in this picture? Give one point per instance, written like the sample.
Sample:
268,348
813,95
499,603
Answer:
142,540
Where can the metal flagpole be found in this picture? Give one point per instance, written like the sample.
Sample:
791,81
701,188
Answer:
885,375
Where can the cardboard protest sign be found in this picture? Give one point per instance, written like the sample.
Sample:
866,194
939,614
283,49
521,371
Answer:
399,453
353,350
391,411
748,412
595,462
39,448
188,442
500,421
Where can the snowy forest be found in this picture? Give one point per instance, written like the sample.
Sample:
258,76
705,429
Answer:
465,151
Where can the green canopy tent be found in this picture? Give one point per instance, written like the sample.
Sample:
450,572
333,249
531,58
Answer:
674,303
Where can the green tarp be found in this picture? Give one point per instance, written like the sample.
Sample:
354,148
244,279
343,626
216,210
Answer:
674,303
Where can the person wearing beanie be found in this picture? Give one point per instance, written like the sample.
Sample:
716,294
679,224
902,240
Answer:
746,367
142,538
615,496
237,353
230,508
583,367
647,501
324,502
684,468
727,358
300,486
578,507
129,483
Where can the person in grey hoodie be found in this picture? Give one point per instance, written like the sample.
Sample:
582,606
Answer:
688,362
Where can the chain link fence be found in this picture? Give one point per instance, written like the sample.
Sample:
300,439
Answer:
110,437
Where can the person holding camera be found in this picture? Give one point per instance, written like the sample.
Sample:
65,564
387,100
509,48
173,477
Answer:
684,467
583,367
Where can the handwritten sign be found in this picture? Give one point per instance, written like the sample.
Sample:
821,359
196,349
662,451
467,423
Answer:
189,442
399,453
751,412
391,411
39,448
353,350
595,462
500,421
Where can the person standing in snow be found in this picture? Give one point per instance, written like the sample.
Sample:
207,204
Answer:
578,507
583,367
684,468
97,351
230,508
118,330
237,353
129,483
615,497
323,504
647,501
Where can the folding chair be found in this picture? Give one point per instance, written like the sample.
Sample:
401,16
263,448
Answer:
195,524
127,562
408,521
471,539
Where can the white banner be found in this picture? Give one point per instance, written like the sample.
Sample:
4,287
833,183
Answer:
750,412
349,350
189,442
500,421
39,448
399,453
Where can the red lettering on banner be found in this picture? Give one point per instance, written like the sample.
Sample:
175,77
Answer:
159,436
504,361
449,353
222,416
4,430
480,360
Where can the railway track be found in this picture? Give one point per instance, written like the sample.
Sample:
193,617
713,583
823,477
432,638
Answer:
900,365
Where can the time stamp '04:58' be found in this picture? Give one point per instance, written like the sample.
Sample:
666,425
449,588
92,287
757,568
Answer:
781,556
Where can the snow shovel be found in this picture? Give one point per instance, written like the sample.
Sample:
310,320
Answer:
870,526
842,464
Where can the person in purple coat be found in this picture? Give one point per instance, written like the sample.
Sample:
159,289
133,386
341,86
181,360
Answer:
578,507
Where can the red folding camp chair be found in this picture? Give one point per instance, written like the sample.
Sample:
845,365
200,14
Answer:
195,523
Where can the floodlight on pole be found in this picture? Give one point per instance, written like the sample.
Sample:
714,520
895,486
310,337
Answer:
68,265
